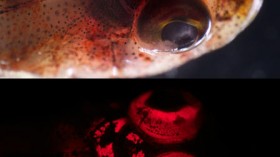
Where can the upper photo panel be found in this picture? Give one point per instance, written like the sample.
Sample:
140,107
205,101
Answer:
137,39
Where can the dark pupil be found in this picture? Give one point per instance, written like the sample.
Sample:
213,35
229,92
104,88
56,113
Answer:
167,100
180,33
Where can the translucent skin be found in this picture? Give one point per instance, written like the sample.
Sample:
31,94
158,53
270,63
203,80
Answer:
91,38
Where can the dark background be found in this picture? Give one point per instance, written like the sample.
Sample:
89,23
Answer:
253,54
240,116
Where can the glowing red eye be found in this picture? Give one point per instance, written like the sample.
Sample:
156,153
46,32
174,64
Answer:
165,120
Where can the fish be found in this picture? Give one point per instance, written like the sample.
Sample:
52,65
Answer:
114,38
151,127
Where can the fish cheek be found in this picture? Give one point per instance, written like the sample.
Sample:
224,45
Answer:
51,36
32,32
229,19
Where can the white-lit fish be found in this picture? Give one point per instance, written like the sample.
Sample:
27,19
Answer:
114,38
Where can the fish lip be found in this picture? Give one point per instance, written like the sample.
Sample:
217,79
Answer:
17,74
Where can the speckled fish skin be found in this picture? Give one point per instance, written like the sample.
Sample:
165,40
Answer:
97,38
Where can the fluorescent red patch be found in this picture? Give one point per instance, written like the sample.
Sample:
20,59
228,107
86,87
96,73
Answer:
163,126
134,138
100,132
139,154
119,124
106,151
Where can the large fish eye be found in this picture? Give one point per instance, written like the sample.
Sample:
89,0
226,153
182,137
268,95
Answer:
172,26
180,33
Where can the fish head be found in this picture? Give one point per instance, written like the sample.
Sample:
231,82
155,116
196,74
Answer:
114,38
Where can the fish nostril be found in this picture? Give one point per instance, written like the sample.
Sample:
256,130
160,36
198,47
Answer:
180,33
130,5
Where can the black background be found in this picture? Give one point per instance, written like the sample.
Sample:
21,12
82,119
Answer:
253,54
240,116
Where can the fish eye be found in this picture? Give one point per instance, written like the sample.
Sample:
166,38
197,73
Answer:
180,33
173,26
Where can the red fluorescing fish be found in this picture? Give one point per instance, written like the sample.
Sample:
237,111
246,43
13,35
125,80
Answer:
158,123
114,38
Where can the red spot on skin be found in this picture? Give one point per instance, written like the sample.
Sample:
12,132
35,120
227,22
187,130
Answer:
134,138
101,131
139,154
119,124
166,127
106,151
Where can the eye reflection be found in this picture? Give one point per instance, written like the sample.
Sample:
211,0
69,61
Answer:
180,33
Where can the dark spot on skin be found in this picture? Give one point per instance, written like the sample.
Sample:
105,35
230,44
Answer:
141,55
56,13
224,17
140,110
167,100
179,120
148,59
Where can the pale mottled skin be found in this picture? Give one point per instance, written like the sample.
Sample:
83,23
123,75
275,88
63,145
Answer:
70,38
